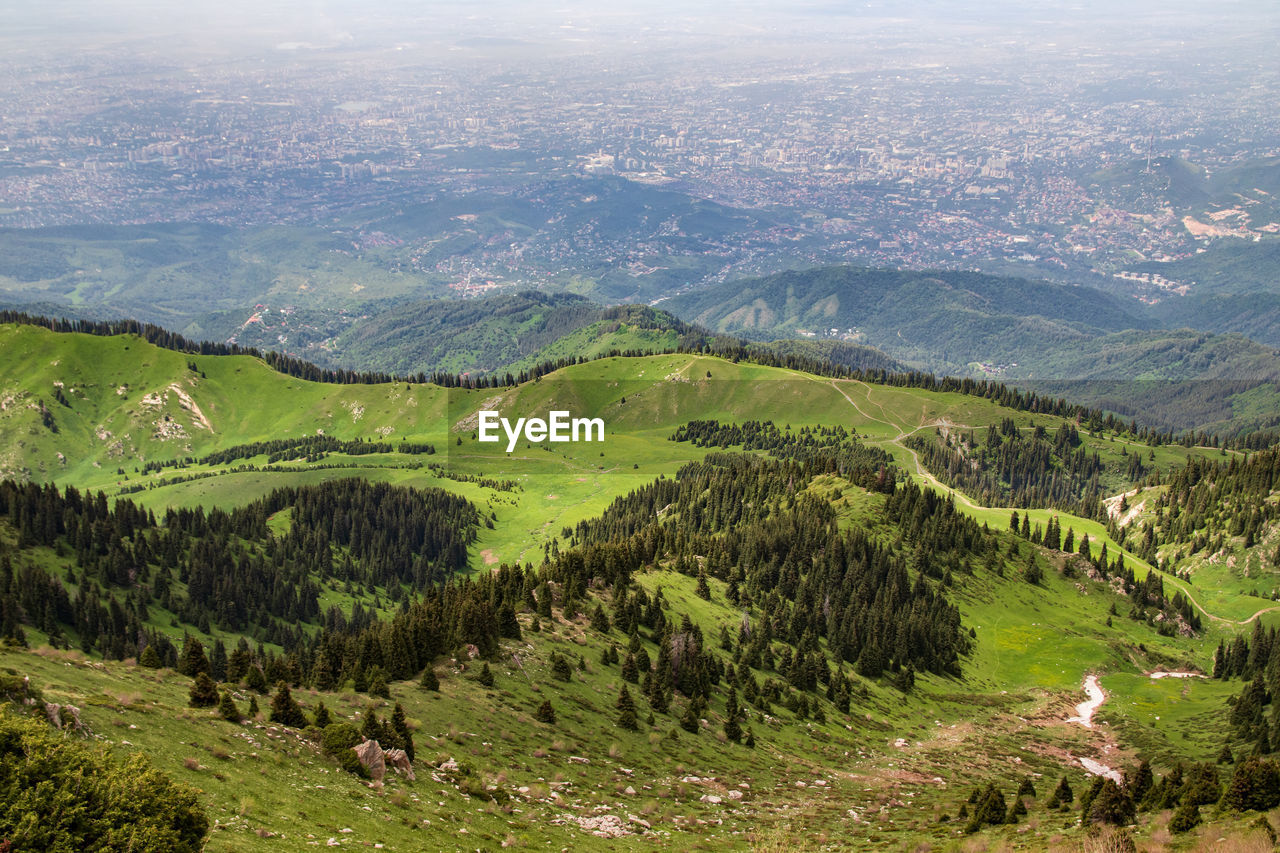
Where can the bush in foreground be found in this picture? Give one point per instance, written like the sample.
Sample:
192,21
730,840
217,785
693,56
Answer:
57,794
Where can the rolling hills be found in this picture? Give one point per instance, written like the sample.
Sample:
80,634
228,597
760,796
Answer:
602,237
176,430
1094,347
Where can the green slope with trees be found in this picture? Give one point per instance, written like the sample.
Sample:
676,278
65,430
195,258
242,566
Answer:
753,582
1078,342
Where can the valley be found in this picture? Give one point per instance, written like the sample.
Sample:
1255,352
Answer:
765,426
899,759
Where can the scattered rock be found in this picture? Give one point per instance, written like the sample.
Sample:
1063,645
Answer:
372,758
711,798
578,759
604,826
64,717
630,791
734,795
399,761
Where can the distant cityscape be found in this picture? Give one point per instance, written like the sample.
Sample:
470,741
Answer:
1068,168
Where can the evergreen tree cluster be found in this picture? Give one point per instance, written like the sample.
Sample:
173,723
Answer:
820,450
1254,713
1148,601
309,448
237,575
1207,503
748,521
1012,467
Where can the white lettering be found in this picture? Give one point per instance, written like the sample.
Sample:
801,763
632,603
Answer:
587,424
559,426
513,435
488,421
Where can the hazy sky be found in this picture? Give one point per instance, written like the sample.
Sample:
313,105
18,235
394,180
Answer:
252,25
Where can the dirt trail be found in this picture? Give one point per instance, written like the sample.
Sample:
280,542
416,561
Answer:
960,498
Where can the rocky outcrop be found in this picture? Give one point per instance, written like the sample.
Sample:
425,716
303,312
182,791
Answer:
64,717
372,758
398,760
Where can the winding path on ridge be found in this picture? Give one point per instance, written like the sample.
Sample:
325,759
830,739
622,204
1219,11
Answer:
923,475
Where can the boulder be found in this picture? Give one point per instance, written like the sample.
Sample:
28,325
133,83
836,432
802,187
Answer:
372,758
64,717
398,760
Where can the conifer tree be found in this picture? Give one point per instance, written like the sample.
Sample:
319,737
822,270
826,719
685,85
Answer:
378,684
255,679
430,681
192,661
1034,574
218,661
371,728
508,624
1141,782
401,727
285,710
732,730
626,710
1185,818
227,708
689,720
546,713
203,693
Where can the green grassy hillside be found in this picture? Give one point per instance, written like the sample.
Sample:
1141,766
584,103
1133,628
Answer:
884,772
1093,347
497,333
